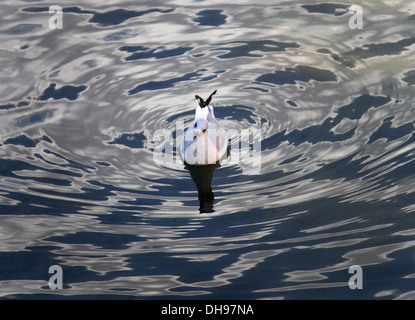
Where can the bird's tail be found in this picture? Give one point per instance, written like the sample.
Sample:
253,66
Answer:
203,103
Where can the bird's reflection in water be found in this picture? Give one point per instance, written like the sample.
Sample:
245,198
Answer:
202,177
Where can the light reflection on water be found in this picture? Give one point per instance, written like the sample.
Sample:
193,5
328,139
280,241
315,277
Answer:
79,186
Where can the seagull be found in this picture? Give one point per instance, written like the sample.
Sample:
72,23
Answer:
204,143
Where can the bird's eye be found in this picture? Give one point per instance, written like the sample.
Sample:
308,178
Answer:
195,126
204,131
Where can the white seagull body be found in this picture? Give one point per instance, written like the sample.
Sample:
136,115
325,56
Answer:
204,142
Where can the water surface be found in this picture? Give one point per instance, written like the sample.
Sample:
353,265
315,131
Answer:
79,186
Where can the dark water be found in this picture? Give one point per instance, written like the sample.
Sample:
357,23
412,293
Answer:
79,186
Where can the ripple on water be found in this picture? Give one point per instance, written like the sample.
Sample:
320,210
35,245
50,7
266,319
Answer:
79,186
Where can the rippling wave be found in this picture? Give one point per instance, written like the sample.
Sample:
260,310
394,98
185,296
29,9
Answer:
80,188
